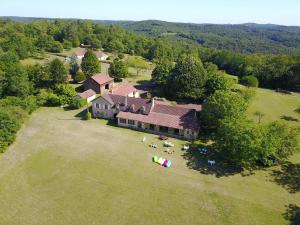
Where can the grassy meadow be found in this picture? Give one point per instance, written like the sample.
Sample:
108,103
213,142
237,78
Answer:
63,170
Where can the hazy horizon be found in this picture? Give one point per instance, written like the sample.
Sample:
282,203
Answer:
73,18
190,11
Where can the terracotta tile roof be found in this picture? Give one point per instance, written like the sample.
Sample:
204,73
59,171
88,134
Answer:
197,107
80,52
159,114
166,120
170,110
86,94
124,89
102,79
120,100
100,54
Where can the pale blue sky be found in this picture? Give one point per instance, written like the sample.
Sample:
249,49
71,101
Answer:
286,12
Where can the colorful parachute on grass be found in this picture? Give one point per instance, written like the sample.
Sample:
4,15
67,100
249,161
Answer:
161,161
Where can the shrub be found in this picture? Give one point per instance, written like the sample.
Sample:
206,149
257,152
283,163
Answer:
65,93
11,118
77,103
79,77
88,115
29,103
43,96
67,44
121,56
249,81
53,100
55,47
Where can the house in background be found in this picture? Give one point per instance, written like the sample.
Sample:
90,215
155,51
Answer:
89,95
99,83
148,115
101,56
126,89
80,54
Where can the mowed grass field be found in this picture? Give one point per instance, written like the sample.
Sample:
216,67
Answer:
63,170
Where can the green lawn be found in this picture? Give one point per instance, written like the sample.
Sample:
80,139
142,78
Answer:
63,170
276,106
41,59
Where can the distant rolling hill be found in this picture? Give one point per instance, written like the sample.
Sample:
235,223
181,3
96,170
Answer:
244,38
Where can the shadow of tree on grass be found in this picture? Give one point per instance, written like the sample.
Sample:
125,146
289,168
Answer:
288,176
292,214
289,118
199,162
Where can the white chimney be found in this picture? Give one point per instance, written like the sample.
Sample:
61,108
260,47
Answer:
126,101
152,104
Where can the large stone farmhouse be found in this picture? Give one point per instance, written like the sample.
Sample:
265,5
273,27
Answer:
99,83
148,115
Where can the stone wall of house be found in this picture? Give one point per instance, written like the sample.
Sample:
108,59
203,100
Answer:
104,90
102,109
188,134
91,84
145,127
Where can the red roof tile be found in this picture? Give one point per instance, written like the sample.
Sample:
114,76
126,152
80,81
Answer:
80,52
86,94
159,114
100,54
124,89
102,79
197,107
184,122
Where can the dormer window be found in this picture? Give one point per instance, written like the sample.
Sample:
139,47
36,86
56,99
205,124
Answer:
143,110
132,108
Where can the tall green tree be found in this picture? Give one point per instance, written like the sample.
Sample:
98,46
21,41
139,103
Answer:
220,105
161,72
279,141
187,79
58,72
16,82
39,75
90,64
218,82
118,70
237,142
74,67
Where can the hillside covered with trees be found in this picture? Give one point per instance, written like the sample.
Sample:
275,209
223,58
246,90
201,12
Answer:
244,38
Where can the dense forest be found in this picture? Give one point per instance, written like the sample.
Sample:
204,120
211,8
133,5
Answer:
244,38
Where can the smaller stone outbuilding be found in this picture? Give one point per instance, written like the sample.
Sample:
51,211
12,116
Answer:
99,83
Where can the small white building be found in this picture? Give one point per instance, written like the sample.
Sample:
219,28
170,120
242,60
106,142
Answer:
89,95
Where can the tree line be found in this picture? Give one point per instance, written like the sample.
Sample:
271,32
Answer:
29,39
